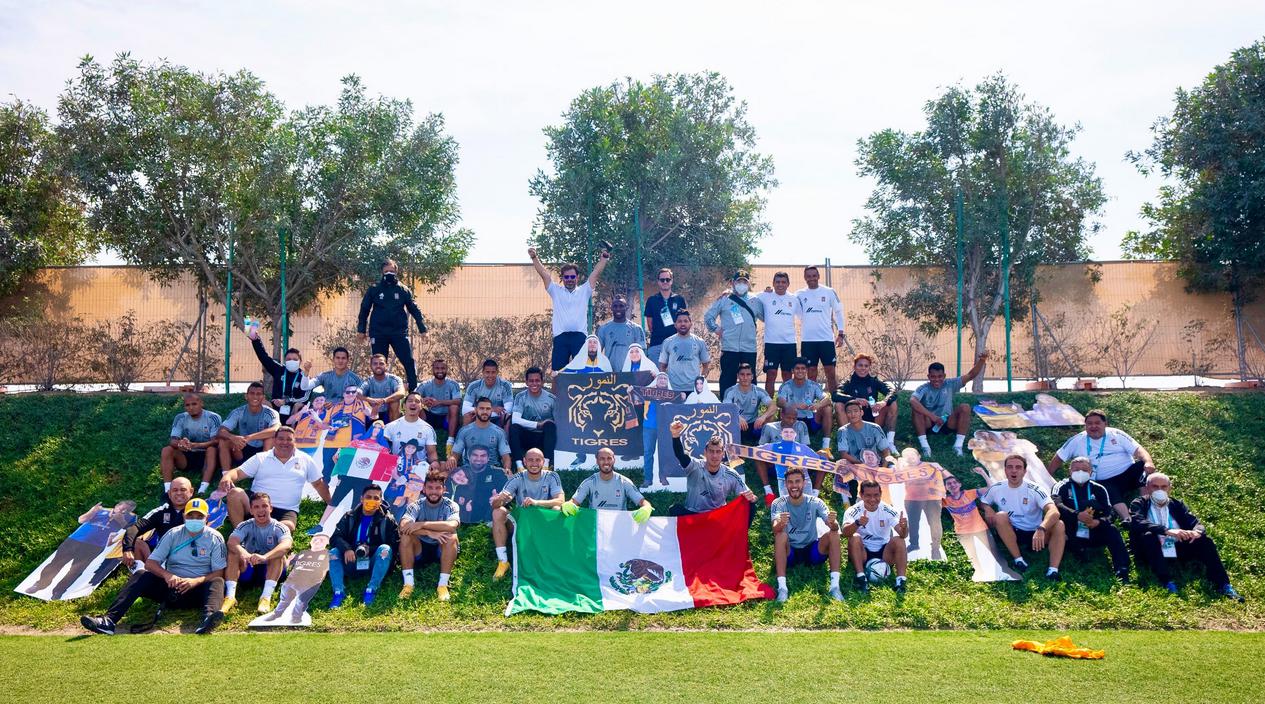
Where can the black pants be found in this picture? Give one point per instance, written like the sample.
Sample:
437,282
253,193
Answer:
1123,485
729,362
544,438
208,596
1146,548
1103,535
74,553
566,346
403,352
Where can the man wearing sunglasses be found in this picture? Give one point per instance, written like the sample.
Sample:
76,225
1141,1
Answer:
660,313
570,306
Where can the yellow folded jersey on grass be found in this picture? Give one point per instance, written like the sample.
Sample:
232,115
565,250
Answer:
1062,647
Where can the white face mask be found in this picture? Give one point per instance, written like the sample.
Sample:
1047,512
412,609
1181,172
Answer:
1159,497
292,365
741,289
1080,476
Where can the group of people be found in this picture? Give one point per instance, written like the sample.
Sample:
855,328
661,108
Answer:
182,561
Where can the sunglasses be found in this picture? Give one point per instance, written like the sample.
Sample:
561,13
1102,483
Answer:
666,281
568,277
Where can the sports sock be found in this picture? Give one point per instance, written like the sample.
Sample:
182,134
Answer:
825,443
781,582
502,554
768,489
860,574
203,487
834,580
408,577
166,486
957,442
891,438
900,579
269,586
1052,570
230,588
443,579
922,440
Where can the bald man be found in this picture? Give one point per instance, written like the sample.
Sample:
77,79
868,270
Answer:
534,486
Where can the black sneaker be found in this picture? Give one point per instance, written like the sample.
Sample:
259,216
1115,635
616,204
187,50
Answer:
209,623
1053,575
900,586
861,584
1020,565
98,624
1123,576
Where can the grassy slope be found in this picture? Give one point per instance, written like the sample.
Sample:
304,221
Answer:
642,667
61,453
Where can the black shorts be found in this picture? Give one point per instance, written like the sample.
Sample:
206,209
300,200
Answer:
439,421
874,554
808,555
1024,538
248,451
278,514
779,355
194,460
944,429
822,351
565,347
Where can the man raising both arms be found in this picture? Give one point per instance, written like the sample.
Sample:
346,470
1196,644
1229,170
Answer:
570,305
780,310
535,486
933,408
795,537
660,313
820,310
869,526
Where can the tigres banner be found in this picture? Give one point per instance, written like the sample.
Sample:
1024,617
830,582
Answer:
595,411
702,421
882,475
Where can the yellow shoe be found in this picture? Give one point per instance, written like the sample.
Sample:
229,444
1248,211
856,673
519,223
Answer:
229,603
442,593
502,568
265,604
406,592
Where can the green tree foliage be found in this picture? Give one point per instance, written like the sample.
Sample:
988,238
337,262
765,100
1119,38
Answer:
679,153
41,219
1210,214
1003,154
183,167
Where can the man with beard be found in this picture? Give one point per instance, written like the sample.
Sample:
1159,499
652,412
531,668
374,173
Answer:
384,313
482,433
795,538
442,398
428,532
532,424
255,422
382,390
493,388
570,305
708,484
410,426
660,313
620,333
535,486
473,486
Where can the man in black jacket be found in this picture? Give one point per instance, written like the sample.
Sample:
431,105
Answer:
287,396
160,520
384,313
1164,529
1085,508
364,541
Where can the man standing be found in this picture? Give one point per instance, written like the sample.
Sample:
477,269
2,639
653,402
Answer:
335,381
820,310
810,402
364,541
1118,461
257,552
620,333
442,398
163,518
532,425
493,388
780,311
684,356
411,427
1023,514
570,305
536,486
795,538
482,433
1086,513
193,445
429,531
255,422
733,317
382,390
869,526
708,484
608,490
384,313
1164,529
281,473
749,398
660,313
933,408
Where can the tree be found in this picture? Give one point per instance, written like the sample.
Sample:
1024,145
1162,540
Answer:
195,172
1203,347
1210,215
1119,340
678,154
41,219
1004,155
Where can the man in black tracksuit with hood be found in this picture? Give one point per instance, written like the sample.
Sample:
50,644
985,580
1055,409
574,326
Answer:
384,313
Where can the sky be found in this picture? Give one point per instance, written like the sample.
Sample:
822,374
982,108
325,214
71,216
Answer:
816,76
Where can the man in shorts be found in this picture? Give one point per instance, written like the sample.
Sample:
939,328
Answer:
248,430
428,532
532,424
608,490
780,310
281,473
193,444
492,387
749,398
534,486
795,534
382,390
820,313
933,408
875,531
810,401
1023,513
257,551
442,398
482,433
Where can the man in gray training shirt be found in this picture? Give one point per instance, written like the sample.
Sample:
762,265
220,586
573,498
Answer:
607,489
618,334
684,356
708,484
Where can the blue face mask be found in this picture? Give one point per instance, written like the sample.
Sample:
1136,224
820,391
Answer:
195,525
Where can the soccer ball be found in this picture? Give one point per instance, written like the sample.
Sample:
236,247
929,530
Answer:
876,570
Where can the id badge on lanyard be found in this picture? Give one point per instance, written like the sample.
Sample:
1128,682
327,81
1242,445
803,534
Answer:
362,564
735,314
1082,530
665,315
1168,544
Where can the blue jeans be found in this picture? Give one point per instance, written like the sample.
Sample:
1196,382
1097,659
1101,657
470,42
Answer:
648,437
381,562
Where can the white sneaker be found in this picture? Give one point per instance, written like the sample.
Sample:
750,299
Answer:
836,594
926,453
782,595
958,450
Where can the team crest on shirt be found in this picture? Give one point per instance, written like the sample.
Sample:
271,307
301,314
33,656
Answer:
397,296
639,577
381,296
166,518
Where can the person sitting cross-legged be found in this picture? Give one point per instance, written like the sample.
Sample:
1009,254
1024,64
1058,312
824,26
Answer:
1163,531
1023,513
795,538
364,541
428,532
534,486
869,527
257,551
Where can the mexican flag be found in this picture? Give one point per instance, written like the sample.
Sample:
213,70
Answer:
365,460
604,560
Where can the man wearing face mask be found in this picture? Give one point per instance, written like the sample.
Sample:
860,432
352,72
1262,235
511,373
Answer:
620,333
364,541
733,317
287,394
1086,511
384,313
1163,529
185,570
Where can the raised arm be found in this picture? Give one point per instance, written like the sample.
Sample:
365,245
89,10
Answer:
602,260
539,267
975,369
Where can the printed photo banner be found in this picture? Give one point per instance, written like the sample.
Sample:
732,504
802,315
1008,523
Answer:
991,448
1047,412
84,559
919,493
593,411
473,488
356,466
702,421
307,571
973,534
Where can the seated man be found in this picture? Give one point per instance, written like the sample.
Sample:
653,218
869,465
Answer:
878,403
254,425
281,472
166,516
287,395
1163,529
531,425
708,484
410,426
193,444
364,541
333,382
1023,514
442,398
1119,462
382,390
482,432
789,427
1086,513
535,486
810,402
749,398
428,532
257,551
493,388
609,490
185,570
795,537
869,526
933,409
858,435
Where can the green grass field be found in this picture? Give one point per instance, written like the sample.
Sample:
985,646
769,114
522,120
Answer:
632,667
60,453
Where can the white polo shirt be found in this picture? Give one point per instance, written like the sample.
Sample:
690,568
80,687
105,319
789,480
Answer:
1110,455
570,308
282,481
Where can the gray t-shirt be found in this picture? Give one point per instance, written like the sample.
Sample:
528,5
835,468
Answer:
618,492
705,491
809,392
200,429
423,510
332,384
522,486
802,528
500,393
939,401
185,555
374,388
869,437
684,357
749,402
449,390
772,432
242,422
492,438
616,338
534,408
259,539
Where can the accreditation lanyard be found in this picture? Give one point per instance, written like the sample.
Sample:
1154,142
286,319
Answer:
1088,449
1082,530
1168,546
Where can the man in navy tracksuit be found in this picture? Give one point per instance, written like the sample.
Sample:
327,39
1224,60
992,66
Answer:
384,313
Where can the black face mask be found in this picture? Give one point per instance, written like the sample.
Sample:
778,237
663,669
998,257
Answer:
389,278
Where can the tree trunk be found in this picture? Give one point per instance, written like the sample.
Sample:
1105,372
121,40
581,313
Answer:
1241,346
980,328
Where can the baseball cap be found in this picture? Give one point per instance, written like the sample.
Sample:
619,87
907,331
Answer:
197,506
